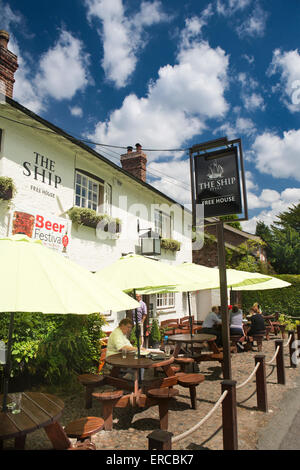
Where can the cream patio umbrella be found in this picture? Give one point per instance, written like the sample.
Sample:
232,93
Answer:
34,278
272,283
144,275
234,276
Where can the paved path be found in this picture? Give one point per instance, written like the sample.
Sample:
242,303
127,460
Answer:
283,431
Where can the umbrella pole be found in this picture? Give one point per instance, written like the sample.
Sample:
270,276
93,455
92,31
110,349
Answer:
191,326
8,363
137,330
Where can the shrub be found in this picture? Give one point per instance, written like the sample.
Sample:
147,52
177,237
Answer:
155,332
53,348
286,300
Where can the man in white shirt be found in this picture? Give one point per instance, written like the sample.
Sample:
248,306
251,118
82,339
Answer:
210,323
118,339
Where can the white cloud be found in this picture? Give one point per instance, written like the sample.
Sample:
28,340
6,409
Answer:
62,69
278,156
276,203
123,36
76,111
241,126
172,178
255,24
231,7
288,65
177,103
253,102
9,17
61,72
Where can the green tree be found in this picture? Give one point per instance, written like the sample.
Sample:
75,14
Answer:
285,251
233,224
289,218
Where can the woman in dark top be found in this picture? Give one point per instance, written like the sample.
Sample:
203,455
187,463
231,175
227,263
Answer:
257,323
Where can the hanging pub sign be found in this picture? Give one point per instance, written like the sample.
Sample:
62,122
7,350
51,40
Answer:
217,182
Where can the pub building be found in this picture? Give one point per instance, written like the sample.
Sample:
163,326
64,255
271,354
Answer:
56,175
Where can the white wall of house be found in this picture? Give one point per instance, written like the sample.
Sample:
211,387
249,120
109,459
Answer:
54,196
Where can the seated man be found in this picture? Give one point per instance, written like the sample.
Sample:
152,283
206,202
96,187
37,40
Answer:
257,325
209,325
118,339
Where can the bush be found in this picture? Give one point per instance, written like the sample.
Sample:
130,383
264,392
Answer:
155,332
53,348
286,300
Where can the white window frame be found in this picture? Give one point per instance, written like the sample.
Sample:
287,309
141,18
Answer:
102,190
165,301
159,225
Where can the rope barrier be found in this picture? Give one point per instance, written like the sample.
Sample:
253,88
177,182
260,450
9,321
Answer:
197,426
274,357
249,378
288,341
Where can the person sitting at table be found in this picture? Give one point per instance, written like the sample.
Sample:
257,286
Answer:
118,339
256,307
210,323
257,325
236,325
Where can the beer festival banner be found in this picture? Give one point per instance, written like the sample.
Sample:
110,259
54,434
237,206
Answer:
54,232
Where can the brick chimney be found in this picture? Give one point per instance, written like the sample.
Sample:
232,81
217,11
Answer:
8,66
135,162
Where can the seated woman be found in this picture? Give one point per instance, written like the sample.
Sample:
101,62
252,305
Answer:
236,325
257,324
210,323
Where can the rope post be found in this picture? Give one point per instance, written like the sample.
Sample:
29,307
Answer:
261,383
292,349
280,362
229,416
298,332
160,440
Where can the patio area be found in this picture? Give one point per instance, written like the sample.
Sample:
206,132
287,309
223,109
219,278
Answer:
132,426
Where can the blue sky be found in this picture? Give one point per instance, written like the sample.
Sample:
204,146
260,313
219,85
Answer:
169,74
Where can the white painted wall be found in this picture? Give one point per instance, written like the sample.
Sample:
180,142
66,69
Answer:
18,146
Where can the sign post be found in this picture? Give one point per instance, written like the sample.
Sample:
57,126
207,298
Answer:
216,167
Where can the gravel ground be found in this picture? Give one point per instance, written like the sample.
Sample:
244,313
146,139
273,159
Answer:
131,426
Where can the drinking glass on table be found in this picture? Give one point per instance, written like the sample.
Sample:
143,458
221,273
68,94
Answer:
17,398
124,353
167,350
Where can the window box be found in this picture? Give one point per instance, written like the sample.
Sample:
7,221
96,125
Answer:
91,218
7,188
170,244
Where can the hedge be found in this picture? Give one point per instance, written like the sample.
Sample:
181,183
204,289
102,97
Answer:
52,349
285,300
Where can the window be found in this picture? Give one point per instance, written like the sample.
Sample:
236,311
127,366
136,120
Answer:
89,193
165,300
163,224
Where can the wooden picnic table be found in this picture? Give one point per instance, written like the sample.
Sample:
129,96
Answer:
130,362
38,410
136,390
190,339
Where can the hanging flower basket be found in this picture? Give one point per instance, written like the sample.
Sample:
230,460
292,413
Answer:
7,188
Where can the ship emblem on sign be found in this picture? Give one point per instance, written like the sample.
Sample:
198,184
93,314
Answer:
215,170
65,240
